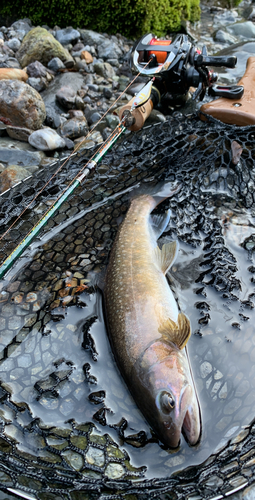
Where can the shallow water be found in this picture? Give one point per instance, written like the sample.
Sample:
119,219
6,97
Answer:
57,370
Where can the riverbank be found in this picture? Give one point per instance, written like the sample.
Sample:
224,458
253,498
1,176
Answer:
58,87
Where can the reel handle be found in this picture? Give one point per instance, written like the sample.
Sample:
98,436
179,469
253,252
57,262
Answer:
217,61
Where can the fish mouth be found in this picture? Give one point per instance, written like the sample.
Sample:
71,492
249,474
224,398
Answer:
191,427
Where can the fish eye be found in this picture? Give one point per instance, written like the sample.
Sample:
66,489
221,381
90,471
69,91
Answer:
167,402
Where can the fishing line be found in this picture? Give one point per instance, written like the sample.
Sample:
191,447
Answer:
68,158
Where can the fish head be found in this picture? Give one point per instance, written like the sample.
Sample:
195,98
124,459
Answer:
169,399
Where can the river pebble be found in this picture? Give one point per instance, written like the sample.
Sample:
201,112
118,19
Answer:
46,139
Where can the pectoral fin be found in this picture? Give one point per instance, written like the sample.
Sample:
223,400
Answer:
178,333
167,255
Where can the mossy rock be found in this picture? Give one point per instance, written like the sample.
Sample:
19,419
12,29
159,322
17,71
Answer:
40,45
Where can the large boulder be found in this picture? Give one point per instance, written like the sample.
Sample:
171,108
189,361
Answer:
40,45
21,105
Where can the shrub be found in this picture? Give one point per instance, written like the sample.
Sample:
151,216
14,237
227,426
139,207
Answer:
131,18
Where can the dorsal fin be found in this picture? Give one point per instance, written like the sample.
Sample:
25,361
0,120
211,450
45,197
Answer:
178,333
167,255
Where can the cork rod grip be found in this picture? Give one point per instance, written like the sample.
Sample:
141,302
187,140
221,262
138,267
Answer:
140,114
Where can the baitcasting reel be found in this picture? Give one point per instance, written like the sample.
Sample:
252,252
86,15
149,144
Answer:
173,67
178,65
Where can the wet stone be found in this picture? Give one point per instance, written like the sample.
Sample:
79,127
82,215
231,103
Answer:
74,459
114,452
94,456
57,443
237,481
241,436
79,441
205,369
114,470
213,482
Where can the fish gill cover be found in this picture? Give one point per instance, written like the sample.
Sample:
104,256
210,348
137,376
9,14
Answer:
68,427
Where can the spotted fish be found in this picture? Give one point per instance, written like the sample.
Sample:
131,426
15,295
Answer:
147,332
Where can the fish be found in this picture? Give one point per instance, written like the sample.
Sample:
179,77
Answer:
147,332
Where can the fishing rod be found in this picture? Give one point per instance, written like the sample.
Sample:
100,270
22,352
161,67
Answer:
127,121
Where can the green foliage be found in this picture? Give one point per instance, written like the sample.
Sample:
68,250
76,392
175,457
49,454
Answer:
131,18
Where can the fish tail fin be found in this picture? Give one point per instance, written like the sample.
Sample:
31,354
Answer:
159,193
166,190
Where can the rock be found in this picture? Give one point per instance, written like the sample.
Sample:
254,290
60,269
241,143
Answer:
40,45
13,74
14,44
52,118
96,136
95,117
114,62
88,58
11,176
252,14
108,48
112,121
74,128
36,70
24,25
67,35
21,104
222,36
11,62
56,64
66,97
5,53
75,80
106,133
15,152
104,69
19,133
39,84
107,93
224,18
91,37
242,30
69,99
76,113
78,47
46,139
